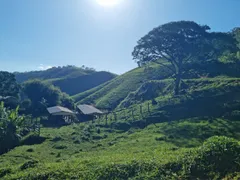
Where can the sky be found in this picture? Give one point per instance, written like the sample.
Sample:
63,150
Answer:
39,34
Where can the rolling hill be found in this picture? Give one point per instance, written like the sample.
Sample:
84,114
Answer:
70,79
112,93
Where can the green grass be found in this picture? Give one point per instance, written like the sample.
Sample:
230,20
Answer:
165,143
160,143
112,93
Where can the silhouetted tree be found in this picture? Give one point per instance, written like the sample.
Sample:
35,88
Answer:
177,43
8,84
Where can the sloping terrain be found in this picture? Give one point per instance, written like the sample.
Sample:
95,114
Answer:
93,152
52,73
109,95
169,141
82,83
112,93
69,79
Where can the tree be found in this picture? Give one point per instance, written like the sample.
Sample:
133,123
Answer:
8,85
43,95
67,101
10,123
176,44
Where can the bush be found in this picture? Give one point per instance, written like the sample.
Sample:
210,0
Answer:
9,128
56,139
60,147
218,156
32,139
29,164
4,172
124,126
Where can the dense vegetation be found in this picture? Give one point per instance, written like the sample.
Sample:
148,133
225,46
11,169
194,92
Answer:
8,86
42,95
176,116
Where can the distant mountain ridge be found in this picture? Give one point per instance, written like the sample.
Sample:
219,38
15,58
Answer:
54,72
70,79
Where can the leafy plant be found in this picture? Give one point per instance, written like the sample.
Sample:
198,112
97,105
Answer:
10,123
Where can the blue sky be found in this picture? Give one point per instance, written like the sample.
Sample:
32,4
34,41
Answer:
36,34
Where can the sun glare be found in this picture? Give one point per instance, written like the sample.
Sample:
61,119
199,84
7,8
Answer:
108,2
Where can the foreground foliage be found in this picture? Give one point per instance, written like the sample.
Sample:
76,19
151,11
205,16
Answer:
10,123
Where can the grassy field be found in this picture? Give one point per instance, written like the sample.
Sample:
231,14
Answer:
80,150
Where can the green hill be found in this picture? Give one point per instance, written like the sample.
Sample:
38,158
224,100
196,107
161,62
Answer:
69,79
112,93
54,72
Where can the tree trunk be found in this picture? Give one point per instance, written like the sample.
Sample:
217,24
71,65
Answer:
177,83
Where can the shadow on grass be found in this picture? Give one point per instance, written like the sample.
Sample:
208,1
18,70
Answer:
192,132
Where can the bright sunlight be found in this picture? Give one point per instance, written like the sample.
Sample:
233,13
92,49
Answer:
108,2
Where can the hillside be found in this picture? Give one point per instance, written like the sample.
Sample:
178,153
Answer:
97,151
53,73
112,93
162,143
69,79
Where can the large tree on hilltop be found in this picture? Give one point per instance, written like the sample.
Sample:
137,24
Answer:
177,43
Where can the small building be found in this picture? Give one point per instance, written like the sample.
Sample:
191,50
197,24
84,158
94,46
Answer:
59,111
88,112
60,115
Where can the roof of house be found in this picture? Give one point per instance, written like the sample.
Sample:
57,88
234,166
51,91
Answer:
89,110
58,110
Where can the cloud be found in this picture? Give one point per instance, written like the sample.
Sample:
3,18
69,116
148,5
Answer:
43,67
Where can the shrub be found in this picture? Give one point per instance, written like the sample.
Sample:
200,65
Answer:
60,147
57,138
32,139
4,172
162,138
97,137
121,126
218,155
30,150
29,164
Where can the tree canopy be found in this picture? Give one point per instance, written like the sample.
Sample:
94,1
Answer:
44,95
8,85
177,43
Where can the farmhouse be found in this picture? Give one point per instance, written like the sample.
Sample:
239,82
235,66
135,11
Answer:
59,111
60,115
87,112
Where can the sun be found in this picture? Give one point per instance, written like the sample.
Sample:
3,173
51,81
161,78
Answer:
108,2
